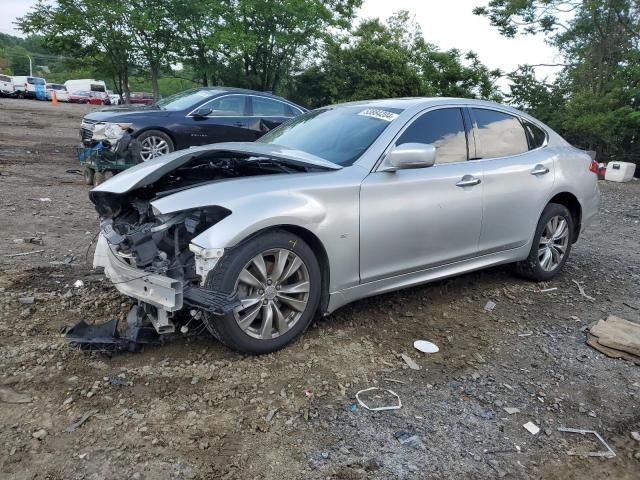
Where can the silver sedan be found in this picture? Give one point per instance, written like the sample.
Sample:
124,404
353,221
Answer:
341,203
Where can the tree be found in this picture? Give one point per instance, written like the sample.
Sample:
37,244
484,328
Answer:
594,100
391,59
268,38
91,30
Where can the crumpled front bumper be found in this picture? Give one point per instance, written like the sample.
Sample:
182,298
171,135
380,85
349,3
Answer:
162,292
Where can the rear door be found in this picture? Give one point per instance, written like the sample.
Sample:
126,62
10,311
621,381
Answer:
227,122
419,218
267,113
518,177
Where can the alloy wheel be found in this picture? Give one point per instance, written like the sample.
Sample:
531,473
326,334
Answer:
153,147
273,289
553,243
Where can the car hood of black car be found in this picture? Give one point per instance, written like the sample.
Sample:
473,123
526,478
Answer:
126,113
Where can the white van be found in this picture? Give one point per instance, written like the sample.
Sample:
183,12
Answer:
87,85
30,87
6,85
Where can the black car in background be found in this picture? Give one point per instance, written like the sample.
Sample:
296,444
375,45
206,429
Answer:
194,117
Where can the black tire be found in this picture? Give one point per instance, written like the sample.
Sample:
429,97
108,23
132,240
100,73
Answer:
225,275
89,174
156,133
98,178
530,267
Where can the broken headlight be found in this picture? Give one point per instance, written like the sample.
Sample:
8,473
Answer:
115,130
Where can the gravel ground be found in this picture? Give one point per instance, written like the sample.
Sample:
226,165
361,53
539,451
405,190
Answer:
191,409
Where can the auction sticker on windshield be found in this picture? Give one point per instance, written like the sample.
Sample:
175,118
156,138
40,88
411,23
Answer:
379,114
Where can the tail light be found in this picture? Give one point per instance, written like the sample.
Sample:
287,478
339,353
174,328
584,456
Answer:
593,167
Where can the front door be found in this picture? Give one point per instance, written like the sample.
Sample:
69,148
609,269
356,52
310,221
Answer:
415,219
227,122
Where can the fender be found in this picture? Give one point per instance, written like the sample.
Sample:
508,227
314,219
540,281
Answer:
300,200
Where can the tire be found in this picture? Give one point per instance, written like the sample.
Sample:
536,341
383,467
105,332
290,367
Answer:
89,175
226,277
98,178
533,267
154,143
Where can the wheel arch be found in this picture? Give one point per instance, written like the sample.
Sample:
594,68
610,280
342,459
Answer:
159,129
572,203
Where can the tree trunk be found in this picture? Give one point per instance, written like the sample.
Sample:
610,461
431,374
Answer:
125,85
154,83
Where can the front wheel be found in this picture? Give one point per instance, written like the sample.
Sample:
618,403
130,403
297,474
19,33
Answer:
551,244
154,143
277,279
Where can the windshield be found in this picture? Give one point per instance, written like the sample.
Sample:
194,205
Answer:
35,81
339,135
185,100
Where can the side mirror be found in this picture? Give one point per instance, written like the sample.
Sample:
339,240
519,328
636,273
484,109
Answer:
202,112
410,155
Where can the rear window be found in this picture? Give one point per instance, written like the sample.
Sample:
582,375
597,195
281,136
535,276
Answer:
535,135
35,81
500,134
97,88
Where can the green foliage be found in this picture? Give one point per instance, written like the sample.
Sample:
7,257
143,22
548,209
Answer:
594,102
391,60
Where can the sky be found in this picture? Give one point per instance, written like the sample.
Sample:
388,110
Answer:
447,24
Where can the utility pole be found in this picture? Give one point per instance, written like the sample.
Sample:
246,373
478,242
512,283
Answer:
30,65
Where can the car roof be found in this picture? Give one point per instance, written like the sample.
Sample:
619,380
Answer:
244,91
407,103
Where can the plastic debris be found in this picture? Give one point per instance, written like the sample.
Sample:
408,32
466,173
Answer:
545,290
425,346
511,410
78,284
609,453
410,362
378,409
22,254
409,439
27,300
582,292
84,418
635,436
489,306
532,428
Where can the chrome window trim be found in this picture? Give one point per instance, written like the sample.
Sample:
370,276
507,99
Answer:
410,121
293,107
520,118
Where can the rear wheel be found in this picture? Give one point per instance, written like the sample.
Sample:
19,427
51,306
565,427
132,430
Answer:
551,244
277,280
98,178
89,174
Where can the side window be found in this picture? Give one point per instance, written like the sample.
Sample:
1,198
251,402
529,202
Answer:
535,135
444,129
500,134
229,106
265,107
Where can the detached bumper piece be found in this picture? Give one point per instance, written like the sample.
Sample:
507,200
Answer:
104,337
214,301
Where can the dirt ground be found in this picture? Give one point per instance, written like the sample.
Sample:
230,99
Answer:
192,409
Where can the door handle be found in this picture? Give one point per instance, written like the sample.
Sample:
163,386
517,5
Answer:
539,170
468,181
